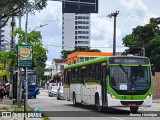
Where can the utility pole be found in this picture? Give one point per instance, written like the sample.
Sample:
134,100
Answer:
143,49
26,43
114,31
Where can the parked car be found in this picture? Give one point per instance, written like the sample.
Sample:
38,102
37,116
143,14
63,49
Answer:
53,91
60,93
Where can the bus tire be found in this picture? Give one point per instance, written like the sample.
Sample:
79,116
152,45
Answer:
97,103
134,109
74,99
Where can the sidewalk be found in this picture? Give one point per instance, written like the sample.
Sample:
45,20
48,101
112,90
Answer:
6,105
156,104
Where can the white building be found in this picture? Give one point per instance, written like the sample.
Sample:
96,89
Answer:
56,67
5,35
75,30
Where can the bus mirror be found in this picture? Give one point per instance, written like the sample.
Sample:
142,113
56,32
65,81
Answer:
153,70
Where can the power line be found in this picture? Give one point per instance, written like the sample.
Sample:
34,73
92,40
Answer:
132,14
74,46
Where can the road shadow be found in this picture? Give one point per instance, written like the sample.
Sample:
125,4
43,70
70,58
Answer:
107,111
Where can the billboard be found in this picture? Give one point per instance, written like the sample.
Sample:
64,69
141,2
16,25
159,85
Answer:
80,6
25,56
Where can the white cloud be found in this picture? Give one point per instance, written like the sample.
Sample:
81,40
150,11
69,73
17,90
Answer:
136,5
138,10
102,34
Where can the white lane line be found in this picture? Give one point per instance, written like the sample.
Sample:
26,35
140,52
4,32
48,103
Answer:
117,118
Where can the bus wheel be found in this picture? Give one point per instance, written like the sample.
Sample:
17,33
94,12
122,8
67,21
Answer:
98,106
134,109
74,100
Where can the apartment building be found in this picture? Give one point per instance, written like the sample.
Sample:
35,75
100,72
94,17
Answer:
6,34
75,30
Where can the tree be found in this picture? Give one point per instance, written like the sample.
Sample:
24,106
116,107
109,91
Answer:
6,60
65,53
148,37
39,54
9,8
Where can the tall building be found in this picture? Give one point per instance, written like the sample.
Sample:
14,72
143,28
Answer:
5,35
75,30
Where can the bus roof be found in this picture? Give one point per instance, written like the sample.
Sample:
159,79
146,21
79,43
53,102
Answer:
101,60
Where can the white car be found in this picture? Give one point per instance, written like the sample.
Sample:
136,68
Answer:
60,93
53,91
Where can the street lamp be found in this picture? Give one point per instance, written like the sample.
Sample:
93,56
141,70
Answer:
39,27
26,43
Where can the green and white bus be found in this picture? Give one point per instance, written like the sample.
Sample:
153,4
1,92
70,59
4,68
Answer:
114,81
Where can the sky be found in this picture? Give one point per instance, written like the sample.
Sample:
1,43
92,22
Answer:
131,14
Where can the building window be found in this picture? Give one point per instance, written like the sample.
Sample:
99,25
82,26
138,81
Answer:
81,59
61,67
86,58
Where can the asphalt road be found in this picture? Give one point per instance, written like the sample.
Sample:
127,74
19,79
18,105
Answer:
64,110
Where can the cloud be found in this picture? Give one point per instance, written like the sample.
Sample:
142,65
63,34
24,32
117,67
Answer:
102,34
138,10
135,5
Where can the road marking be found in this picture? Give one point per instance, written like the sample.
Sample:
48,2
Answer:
117,118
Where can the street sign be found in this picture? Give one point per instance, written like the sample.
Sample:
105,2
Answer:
25,56
80,6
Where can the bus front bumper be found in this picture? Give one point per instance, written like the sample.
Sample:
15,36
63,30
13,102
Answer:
128,103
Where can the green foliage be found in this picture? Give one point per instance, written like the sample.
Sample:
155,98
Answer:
39,53
65,53
147,36
9,8
8,60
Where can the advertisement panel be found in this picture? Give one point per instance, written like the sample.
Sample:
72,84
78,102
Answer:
25,56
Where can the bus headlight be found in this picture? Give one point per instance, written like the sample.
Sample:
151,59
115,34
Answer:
113,96
148,96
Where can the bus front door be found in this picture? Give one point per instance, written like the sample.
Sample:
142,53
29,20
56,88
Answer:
104,85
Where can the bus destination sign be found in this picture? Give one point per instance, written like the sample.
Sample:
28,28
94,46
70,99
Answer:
128,60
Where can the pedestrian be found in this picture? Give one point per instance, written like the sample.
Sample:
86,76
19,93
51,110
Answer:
7,91
1,93
4,91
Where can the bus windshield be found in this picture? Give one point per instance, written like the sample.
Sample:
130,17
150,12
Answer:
32,79
130,77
